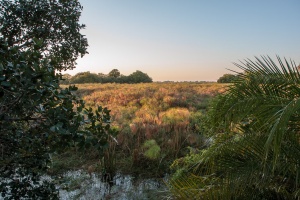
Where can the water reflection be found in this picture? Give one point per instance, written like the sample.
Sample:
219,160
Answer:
79,185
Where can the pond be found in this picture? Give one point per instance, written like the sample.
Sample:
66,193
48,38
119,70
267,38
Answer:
80,185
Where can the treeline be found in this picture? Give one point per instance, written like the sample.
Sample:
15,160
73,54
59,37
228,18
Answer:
227,78
114,76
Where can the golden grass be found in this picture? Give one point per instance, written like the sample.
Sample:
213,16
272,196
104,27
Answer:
158,111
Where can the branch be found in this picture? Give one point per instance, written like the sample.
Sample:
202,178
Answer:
25,119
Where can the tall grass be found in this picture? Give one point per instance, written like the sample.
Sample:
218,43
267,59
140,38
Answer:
167,113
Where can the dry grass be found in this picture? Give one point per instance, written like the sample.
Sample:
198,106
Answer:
158,111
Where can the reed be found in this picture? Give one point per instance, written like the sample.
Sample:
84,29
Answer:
167,113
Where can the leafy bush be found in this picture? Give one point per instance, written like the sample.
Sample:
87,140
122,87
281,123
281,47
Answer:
152,150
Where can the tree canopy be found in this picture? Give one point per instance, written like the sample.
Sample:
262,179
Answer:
84,77
37,117
115,73
227,78
139,77
114,76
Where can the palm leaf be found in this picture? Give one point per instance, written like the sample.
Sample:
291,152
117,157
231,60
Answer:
268,94
255,150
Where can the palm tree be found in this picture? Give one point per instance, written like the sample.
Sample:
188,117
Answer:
255,149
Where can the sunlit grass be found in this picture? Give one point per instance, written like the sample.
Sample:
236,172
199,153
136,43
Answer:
164,112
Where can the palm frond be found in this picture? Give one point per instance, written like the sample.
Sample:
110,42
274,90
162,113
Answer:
255,151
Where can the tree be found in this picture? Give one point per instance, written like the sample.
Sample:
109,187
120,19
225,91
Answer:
255,137
139,77
114,73
227,78
85,77
65,79
122,79
39,38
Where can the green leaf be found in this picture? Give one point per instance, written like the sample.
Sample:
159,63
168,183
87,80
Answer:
5,83
9,64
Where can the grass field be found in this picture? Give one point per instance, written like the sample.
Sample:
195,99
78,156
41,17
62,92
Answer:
156,122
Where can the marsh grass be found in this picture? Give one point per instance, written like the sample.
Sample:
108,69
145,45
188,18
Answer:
73,160
167,113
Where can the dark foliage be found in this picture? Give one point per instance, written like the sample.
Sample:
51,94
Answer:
37,117
114,76
227,78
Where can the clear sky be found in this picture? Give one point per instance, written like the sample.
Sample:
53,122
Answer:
186,40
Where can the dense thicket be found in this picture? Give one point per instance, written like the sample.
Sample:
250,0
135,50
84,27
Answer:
113,76
38,38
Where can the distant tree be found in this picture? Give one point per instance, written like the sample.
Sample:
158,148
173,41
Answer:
227,78
114,73
108,79
85,77
102,75
67,76
123,79
113,77
139,77
65,79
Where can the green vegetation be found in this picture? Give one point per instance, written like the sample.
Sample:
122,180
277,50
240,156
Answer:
114,76
152,149
166,115
246,146
37,117
254,132
227,78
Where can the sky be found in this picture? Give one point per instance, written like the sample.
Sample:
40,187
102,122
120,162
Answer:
186,40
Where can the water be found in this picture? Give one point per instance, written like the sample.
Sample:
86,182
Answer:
79,185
